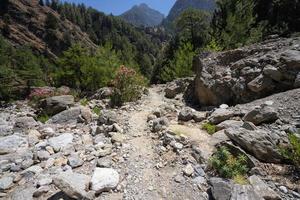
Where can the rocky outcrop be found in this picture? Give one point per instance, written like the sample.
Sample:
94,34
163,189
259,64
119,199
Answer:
248,73
53,105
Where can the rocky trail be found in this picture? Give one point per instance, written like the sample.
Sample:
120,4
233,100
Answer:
157,147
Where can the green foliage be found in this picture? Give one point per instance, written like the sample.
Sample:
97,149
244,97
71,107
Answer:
128,85
134,46
181,65
96,110
20,70
80,69
210,128
234,23
43,118
229,166
193,26
292,151
84,102
213,46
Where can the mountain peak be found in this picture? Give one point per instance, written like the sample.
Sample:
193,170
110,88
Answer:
143,15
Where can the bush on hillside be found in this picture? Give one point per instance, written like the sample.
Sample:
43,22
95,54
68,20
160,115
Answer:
128,86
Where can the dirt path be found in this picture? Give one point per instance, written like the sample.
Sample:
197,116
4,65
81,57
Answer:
148,175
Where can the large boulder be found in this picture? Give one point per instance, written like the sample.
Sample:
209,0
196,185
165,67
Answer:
24,123
75,114
262,114
176,87
245,74
260,143
220,115
10,144
56,104
73,184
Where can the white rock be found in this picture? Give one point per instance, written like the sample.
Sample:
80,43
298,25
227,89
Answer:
6,183
224,106
61,141
104,179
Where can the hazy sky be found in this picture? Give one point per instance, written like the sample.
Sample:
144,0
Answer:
117,7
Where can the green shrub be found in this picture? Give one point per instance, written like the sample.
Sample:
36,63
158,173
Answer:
292,151
229,166
84,102
96,110
43,118
128,85
210,128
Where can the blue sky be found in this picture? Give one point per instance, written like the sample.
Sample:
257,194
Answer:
117,7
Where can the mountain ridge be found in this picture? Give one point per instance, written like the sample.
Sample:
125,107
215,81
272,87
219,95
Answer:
143,15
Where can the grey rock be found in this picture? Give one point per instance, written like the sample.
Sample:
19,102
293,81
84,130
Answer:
24,123
260,143
220,115
61,141
44,181
33,170
272,72
292,59
249,126
260,83
73,184
43,155
104,179
6,182
228,124
72,115
56,104
283,189
262,189
185,114
104,162
40,191
199,116
221,189
10,144
102,93
188,170
244,192
264,114
159,124
75,161
24,192
107,117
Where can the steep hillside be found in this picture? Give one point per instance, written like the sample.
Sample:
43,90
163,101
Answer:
143,15
25,22
182,5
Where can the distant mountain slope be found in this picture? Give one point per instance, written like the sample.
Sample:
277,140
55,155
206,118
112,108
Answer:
182,5
143,15
24,22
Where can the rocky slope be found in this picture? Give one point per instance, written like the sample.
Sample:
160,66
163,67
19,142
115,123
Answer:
24,23
245,74
143,15
151,149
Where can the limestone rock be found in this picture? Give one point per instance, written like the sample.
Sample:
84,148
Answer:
220,115
56,104
61,141
262,189
104,179
260,115
73,184
260,143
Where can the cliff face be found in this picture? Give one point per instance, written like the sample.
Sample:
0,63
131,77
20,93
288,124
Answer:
24,22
